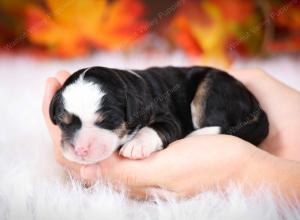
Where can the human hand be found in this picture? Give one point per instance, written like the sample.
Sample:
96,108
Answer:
174,168
282,105
114,169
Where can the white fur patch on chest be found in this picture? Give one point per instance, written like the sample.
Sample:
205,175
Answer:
83,98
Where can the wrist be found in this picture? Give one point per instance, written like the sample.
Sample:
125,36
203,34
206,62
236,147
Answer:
259,169
249,77
280,176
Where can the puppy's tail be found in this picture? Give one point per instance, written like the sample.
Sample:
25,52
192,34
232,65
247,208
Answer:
254,128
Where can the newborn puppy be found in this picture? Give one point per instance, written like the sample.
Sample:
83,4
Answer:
100,110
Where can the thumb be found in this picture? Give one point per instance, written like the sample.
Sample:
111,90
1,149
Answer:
90,174
117,170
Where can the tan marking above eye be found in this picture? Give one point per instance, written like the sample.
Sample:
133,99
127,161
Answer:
66,118
99,118
121,130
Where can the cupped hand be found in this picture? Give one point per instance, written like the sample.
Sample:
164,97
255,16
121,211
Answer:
282,105
193,164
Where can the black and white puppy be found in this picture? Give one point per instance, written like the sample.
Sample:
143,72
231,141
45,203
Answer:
100,110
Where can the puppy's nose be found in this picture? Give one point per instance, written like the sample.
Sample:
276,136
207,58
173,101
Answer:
82,151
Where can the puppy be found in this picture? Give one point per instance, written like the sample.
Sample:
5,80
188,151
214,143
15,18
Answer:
100,110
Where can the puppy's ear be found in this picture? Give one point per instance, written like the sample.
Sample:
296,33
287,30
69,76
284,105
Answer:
135,114
131,108
55,106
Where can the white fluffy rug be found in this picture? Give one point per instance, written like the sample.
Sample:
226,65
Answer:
31,185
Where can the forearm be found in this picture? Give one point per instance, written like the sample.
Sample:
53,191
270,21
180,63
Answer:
279,175
282,106
196,164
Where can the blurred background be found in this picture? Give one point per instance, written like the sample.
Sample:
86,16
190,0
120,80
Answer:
209,30
48,35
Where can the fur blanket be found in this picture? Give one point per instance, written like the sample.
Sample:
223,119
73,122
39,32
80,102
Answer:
32,184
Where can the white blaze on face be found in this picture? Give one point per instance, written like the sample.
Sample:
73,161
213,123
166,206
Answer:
83,99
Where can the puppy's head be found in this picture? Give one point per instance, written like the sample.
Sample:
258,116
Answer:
90,110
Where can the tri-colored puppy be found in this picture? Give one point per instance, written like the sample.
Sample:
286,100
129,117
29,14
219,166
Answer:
100,110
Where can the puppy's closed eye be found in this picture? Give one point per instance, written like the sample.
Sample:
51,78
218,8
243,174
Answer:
110,122
67,120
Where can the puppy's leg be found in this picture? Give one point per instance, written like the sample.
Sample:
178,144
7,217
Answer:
152,138
145,142
206,131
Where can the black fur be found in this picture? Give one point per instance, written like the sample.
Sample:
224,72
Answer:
160,98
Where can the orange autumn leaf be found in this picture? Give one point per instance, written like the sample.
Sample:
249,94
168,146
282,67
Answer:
202,33
73,28
206,29
181,34
235,10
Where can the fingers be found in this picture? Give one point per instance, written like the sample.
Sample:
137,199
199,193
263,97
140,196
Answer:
116,170
89,175
135,173
62,76
52,85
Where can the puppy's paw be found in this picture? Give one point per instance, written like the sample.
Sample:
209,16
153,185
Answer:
145,142
136,149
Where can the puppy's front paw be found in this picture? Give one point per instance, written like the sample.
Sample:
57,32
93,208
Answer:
145,142
136,149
